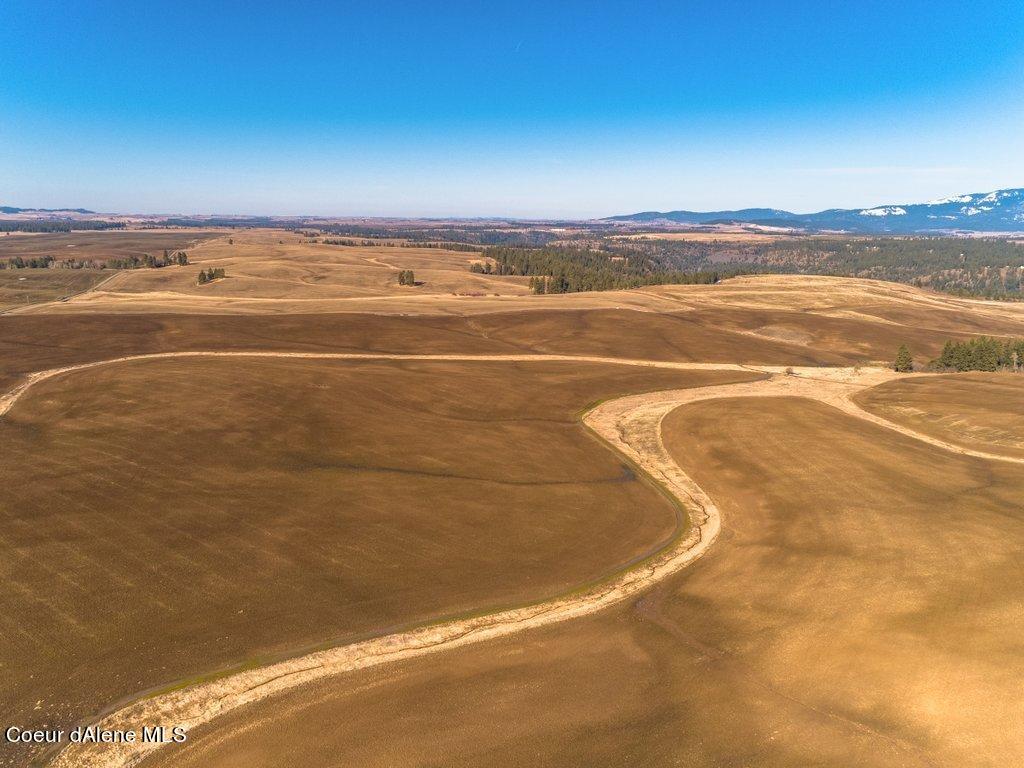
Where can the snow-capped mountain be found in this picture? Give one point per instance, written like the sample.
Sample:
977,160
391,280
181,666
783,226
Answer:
999,211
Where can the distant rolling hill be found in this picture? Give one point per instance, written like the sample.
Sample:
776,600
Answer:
12,209
999,211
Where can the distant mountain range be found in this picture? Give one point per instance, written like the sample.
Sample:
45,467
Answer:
999,211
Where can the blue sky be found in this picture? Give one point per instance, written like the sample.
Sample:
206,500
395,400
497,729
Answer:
518,109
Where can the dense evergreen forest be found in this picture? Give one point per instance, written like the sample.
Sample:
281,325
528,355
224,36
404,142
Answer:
569,270
993,268
57,225
981,354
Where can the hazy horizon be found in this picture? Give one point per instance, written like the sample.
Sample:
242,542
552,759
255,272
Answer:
497,216
515,111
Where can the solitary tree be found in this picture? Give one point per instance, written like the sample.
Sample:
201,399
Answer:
904,362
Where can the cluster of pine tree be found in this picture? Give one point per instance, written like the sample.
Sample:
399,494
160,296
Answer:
18,262
149,261
981,354
352,243
58,225
569,270
179,258
904,360
209,275
406,277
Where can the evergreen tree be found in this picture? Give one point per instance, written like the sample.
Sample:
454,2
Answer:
904,361
982,353
946,358
986,354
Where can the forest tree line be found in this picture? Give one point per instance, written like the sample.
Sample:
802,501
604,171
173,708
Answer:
146,261
570,270
58,225
989,267
351,242
981,354
448,237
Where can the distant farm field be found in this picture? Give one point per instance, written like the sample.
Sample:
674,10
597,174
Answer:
291,272
107,244
861,608
166,519
22,287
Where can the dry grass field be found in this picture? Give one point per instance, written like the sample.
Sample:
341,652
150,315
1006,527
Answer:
24,287
42,341
101,245
166,519
862,607
976,410
796,321
278,270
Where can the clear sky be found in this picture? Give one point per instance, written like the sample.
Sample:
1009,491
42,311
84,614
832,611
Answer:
544,109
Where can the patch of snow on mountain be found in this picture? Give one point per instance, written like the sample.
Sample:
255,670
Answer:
891,210
992,197
947,200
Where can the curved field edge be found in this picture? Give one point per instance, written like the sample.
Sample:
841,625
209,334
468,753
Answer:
631,425
976,411
12,395
613,422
